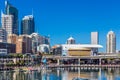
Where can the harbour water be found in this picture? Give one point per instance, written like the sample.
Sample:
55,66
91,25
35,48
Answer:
62,74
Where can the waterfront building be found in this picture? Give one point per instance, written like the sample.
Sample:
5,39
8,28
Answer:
79,49
23,45
111,42
72,49
11,48
38,40
35,41
3,35
71,40
11,10
7,23
57,50
94,41
12,38
28,25
43,48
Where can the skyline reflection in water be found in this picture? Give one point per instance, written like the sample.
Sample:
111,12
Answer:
62,74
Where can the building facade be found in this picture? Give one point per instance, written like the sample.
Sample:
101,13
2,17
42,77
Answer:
23,44
57,50
7,23
35,41
3,35
3,51
11,10
12,38
111,42
94,38
44,40
11,48
38,40
94,41
78,49
28,25
43,48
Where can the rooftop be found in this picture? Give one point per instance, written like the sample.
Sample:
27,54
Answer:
83,45
71,38
28,17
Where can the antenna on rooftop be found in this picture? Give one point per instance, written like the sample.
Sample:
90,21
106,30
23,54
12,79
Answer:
6,2
32,11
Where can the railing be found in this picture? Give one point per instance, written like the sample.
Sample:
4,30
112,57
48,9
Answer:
85,65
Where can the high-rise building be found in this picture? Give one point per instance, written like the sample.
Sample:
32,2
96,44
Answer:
94,41
11,10
111,42
94,38
3,35
71,40
7,23
27,25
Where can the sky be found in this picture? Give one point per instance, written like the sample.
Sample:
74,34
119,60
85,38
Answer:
78,18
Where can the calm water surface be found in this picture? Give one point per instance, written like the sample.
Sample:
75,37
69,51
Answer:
62,74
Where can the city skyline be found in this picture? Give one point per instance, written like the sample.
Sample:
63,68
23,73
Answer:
60,19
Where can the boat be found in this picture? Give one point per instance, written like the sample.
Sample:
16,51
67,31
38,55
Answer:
32,69
77,78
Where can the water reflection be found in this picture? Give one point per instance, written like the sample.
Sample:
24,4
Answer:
62,74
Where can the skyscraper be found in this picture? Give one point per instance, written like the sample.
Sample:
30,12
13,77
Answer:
111,42
11,10
94,38
27,25
7,23
94,41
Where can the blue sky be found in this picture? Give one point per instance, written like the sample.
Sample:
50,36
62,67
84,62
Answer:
62,18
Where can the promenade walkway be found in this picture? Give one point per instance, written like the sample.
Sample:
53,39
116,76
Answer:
84,66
